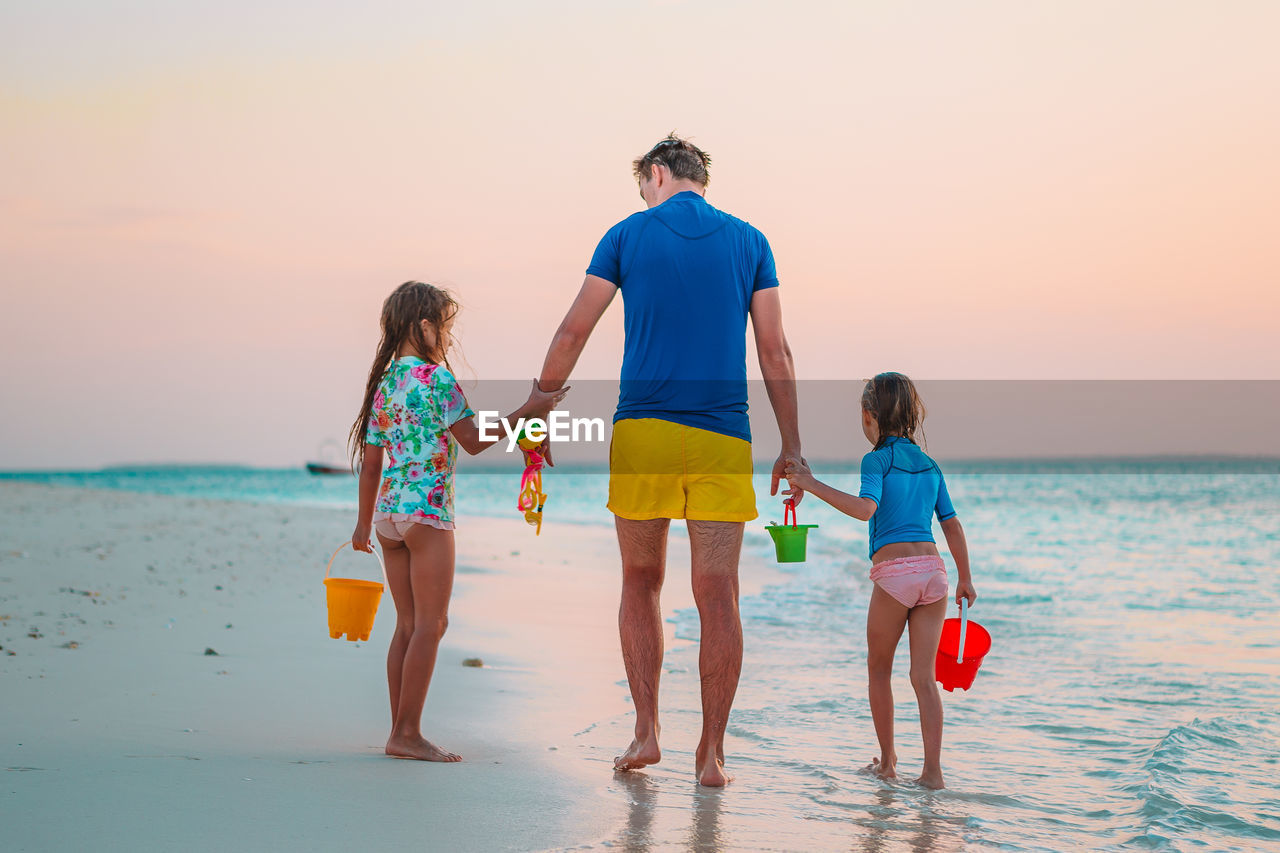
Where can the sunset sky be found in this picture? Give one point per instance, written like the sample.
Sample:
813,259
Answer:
202,205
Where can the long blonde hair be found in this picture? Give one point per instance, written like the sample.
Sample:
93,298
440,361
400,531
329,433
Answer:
402,316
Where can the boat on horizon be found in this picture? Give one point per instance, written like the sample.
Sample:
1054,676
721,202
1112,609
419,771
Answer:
328,450
325,468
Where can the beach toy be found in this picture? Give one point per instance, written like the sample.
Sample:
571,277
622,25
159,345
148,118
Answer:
789,539
961,649
352,603
531,499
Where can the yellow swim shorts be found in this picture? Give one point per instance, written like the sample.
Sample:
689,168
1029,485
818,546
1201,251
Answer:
660,469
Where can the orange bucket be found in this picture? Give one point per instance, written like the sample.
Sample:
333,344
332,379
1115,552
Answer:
352,603
961,649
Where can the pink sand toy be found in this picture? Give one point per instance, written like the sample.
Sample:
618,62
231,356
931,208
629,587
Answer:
531,499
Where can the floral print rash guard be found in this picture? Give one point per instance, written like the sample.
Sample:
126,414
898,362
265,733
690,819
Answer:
413,409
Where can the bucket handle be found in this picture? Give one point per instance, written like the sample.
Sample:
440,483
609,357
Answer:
789,507
964,627
348,544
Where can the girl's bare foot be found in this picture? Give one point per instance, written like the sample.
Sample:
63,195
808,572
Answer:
639,754
931,779
418,748
882,769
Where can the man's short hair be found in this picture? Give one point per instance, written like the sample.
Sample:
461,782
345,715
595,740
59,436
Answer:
682,157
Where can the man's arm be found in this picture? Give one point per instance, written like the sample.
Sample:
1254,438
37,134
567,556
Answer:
575,329
779,374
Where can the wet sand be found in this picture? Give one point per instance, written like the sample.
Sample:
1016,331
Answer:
122,731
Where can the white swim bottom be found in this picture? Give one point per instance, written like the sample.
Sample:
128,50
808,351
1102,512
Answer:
394,525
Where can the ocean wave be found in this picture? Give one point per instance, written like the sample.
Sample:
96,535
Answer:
1207,777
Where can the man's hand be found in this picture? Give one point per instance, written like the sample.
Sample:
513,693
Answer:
798,474
779,472
554,398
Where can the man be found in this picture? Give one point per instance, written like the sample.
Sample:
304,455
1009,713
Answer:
689,275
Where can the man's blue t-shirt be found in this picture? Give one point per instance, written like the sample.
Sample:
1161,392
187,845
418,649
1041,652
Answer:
908,489
687,273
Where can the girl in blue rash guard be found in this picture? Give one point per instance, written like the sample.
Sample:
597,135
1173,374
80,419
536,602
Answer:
902,490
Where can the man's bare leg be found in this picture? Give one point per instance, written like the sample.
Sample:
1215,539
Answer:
715,547
643,545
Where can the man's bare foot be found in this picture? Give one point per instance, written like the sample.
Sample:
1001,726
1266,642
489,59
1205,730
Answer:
711,774
418,748
931,779
639,754
883,769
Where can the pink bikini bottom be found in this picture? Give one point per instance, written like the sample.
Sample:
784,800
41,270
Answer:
912,581
394,525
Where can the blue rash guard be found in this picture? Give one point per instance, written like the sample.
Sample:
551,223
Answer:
687,273
908,489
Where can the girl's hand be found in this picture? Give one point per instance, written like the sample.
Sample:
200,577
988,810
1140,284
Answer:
360,538
964,589
798,474
540,403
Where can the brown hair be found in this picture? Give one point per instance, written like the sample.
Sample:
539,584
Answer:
893,401
682,157
402,316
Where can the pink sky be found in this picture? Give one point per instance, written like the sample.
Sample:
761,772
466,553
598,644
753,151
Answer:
200,213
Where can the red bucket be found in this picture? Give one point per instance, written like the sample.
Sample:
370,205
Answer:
955,673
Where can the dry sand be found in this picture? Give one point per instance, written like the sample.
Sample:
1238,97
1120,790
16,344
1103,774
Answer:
119,732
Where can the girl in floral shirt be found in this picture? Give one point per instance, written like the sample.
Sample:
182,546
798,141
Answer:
412,422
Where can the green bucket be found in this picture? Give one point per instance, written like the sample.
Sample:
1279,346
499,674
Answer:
789,541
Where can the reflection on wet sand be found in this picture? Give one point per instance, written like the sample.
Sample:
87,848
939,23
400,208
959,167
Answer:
704,833
890,823
637,835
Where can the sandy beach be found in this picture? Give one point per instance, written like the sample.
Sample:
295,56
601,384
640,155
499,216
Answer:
1119,721
123,731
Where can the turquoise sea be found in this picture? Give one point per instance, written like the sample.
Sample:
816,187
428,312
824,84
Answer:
1131,699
